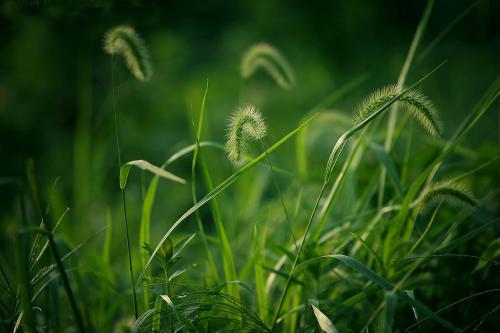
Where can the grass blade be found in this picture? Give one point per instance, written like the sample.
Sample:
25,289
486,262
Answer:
145,165
323,321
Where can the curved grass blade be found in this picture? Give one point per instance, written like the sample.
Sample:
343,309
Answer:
323,321
145,165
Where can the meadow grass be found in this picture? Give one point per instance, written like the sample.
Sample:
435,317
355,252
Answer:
340,250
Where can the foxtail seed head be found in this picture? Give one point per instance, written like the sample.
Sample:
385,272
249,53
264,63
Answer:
245,124
267,57
419,106
124,40
445,190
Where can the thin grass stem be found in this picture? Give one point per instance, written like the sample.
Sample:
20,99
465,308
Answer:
124,202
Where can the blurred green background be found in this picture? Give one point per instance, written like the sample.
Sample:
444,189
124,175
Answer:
55,88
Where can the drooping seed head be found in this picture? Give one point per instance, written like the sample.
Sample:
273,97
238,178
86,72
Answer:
245,124
123,40
267,57
419,106
449,191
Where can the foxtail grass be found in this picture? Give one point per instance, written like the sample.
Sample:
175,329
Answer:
267,57
369,116
124,41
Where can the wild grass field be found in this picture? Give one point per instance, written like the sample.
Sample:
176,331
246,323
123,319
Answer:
268,166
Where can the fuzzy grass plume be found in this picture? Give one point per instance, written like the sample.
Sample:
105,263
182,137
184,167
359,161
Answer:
449,191
245,124
267,57
124,40
412,101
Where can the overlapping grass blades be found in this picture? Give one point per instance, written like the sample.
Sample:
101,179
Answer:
197,309
222,186
267,57
227,254
125,41
382,282
332,160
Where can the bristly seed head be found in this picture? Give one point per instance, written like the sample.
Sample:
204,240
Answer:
445,190
245,124
267,57
124,40
412,101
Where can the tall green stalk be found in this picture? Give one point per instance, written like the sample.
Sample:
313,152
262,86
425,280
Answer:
124,204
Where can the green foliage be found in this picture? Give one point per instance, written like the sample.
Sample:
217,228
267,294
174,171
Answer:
297,238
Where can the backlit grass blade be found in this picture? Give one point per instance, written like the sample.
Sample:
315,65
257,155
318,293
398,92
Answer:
323,321
145,165
221,187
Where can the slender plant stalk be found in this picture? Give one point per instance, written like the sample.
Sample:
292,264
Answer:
117,136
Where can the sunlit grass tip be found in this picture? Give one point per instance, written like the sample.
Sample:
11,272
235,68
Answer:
124,40
450,191
245,124
418,105
267,57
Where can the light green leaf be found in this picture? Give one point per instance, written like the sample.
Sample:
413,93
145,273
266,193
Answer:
145,165
323,321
